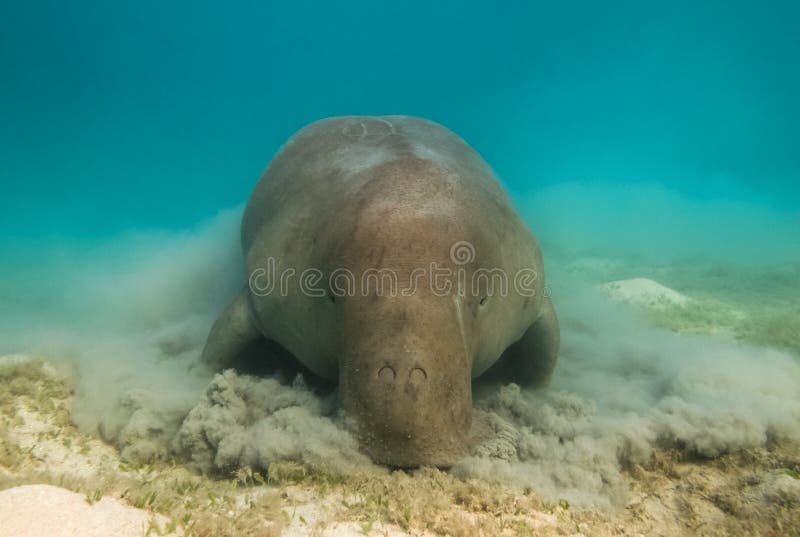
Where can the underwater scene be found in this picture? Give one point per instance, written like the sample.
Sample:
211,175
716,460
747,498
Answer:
222,232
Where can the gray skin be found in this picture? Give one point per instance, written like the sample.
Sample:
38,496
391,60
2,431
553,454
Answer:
395,194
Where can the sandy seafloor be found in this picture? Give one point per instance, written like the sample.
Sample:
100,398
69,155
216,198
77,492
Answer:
674,411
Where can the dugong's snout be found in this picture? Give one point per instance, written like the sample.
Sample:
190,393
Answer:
409,413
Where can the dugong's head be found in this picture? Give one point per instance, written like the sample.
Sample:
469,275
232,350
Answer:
406,379
406,352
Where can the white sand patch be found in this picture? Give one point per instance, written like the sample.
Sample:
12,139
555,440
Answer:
351,529
644,292
782,487
39,510
310,514
55,448
54,451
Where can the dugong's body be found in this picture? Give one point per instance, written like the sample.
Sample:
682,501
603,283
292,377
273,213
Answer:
350,239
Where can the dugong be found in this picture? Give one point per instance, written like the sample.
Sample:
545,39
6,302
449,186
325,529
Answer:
383,254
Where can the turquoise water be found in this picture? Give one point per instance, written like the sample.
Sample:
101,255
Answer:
119,116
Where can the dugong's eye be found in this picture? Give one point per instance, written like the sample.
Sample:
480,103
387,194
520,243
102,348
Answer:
484,300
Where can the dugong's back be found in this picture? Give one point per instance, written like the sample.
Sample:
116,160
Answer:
319,167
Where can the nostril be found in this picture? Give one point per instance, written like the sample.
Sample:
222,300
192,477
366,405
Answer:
386,374
417,375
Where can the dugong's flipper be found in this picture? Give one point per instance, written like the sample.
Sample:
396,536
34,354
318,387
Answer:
531,360
232,333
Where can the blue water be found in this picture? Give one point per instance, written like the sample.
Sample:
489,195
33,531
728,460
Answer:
139,115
